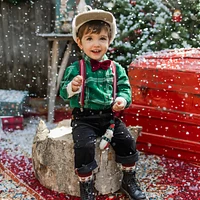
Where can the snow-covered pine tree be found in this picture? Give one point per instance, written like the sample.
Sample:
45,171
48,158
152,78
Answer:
148,25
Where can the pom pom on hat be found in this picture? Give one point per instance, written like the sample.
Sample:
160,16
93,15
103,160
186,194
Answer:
88,15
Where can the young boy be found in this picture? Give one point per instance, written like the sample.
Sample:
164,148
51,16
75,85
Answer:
92,97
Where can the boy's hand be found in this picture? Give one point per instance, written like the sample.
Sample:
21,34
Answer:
118,106
77,82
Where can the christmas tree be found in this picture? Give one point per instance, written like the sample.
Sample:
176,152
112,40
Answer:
152,25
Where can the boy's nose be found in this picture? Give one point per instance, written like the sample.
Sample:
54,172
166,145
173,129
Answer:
96,43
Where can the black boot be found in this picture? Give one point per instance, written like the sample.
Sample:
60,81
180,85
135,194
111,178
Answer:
87,190
130,187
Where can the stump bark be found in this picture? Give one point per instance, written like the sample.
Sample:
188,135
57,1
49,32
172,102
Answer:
53,161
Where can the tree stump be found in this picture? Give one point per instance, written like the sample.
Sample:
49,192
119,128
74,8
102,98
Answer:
53,161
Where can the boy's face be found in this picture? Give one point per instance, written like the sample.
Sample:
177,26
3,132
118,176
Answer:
94,45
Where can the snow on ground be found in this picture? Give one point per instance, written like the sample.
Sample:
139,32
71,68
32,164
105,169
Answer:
21,140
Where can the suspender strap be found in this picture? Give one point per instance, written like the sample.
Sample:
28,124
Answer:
83,74
114,80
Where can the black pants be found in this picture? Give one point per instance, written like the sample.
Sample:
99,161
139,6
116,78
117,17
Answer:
90,124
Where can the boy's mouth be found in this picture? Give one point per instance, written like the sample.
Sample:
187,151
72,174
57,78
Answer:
96,51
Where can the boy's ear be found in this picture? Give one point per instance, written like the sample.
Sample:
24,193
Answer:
78,41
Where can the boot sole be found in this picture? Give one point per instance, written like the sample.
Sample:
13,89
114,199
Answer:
130,198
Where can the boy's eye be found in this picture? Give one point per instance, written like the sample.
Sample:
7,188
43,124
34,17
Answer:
103,38
89,38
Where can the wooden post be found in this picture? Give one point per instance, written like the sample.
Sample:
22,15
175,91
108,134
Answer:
52,88
55,76
63,65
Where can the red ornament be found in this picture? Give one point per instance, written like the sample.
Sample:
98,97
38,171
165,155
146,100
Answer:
132,2
126,39
138,31
177,16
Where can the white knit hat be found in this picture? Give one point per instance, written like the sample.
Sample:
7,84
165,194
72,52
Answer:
88,15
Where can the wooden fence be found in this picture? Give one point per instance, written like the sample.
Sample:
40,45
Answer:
24,55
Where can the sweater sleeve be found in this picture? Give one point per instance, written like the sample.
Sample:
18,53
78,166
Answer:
123,85
70,73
